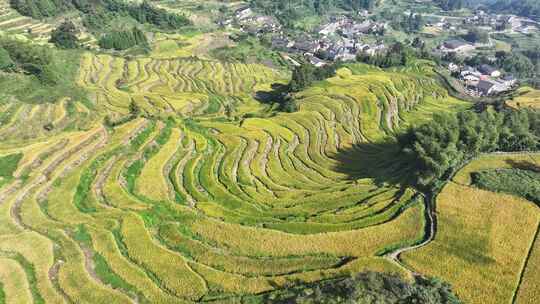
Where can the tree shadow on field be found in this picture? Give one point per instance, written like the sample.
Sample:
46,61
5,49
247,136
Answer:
524,165
275,95
384,162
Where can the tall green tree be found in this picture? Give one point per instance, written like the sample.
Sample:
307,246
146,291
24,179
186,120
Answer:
441,146
65,36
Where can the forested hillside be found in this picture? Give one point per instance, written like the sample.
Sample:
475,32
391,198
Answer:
98,12
287,11
528,8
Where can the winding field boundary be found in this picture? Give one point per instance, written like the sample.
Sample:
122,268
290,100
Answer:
431,222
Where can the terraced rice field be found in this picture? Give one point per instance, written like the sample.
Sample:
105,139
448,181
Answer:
27,122
528,98
529,288
14,23
198,201
485,244
185,87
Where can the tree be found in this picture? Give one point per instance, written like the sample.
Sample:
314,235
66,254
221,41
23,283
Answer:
414,22
397,55
477,36
31,59
134,109
367,287
65,36
517,64
123,40
305,74
445,143
302,77
450,5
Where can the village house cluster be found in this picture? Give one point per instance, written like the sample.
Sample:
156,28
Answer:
502,22
457,46
484,80
343,38
253,23
497,23
339,39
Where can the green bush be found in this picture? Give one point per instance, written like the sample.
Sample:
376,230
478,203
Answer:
441,146
368,287
8,164
146,13
32,59
521,182
6,63
40,8
65,36
39,73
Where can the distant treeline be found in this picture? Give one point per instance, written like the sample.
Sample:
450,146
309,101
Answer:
528,8
141,12
123,40
441,146
287,11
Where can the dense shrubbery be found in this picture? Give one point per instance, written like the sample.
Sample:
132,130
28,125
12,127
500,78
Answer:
443,145
65,36
304,75
6,63
476,35
412,23
8,164
101,10
530,8
28,58
122,40
146,13
397,55
450,4
522,182
41,8
370,287
37,73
